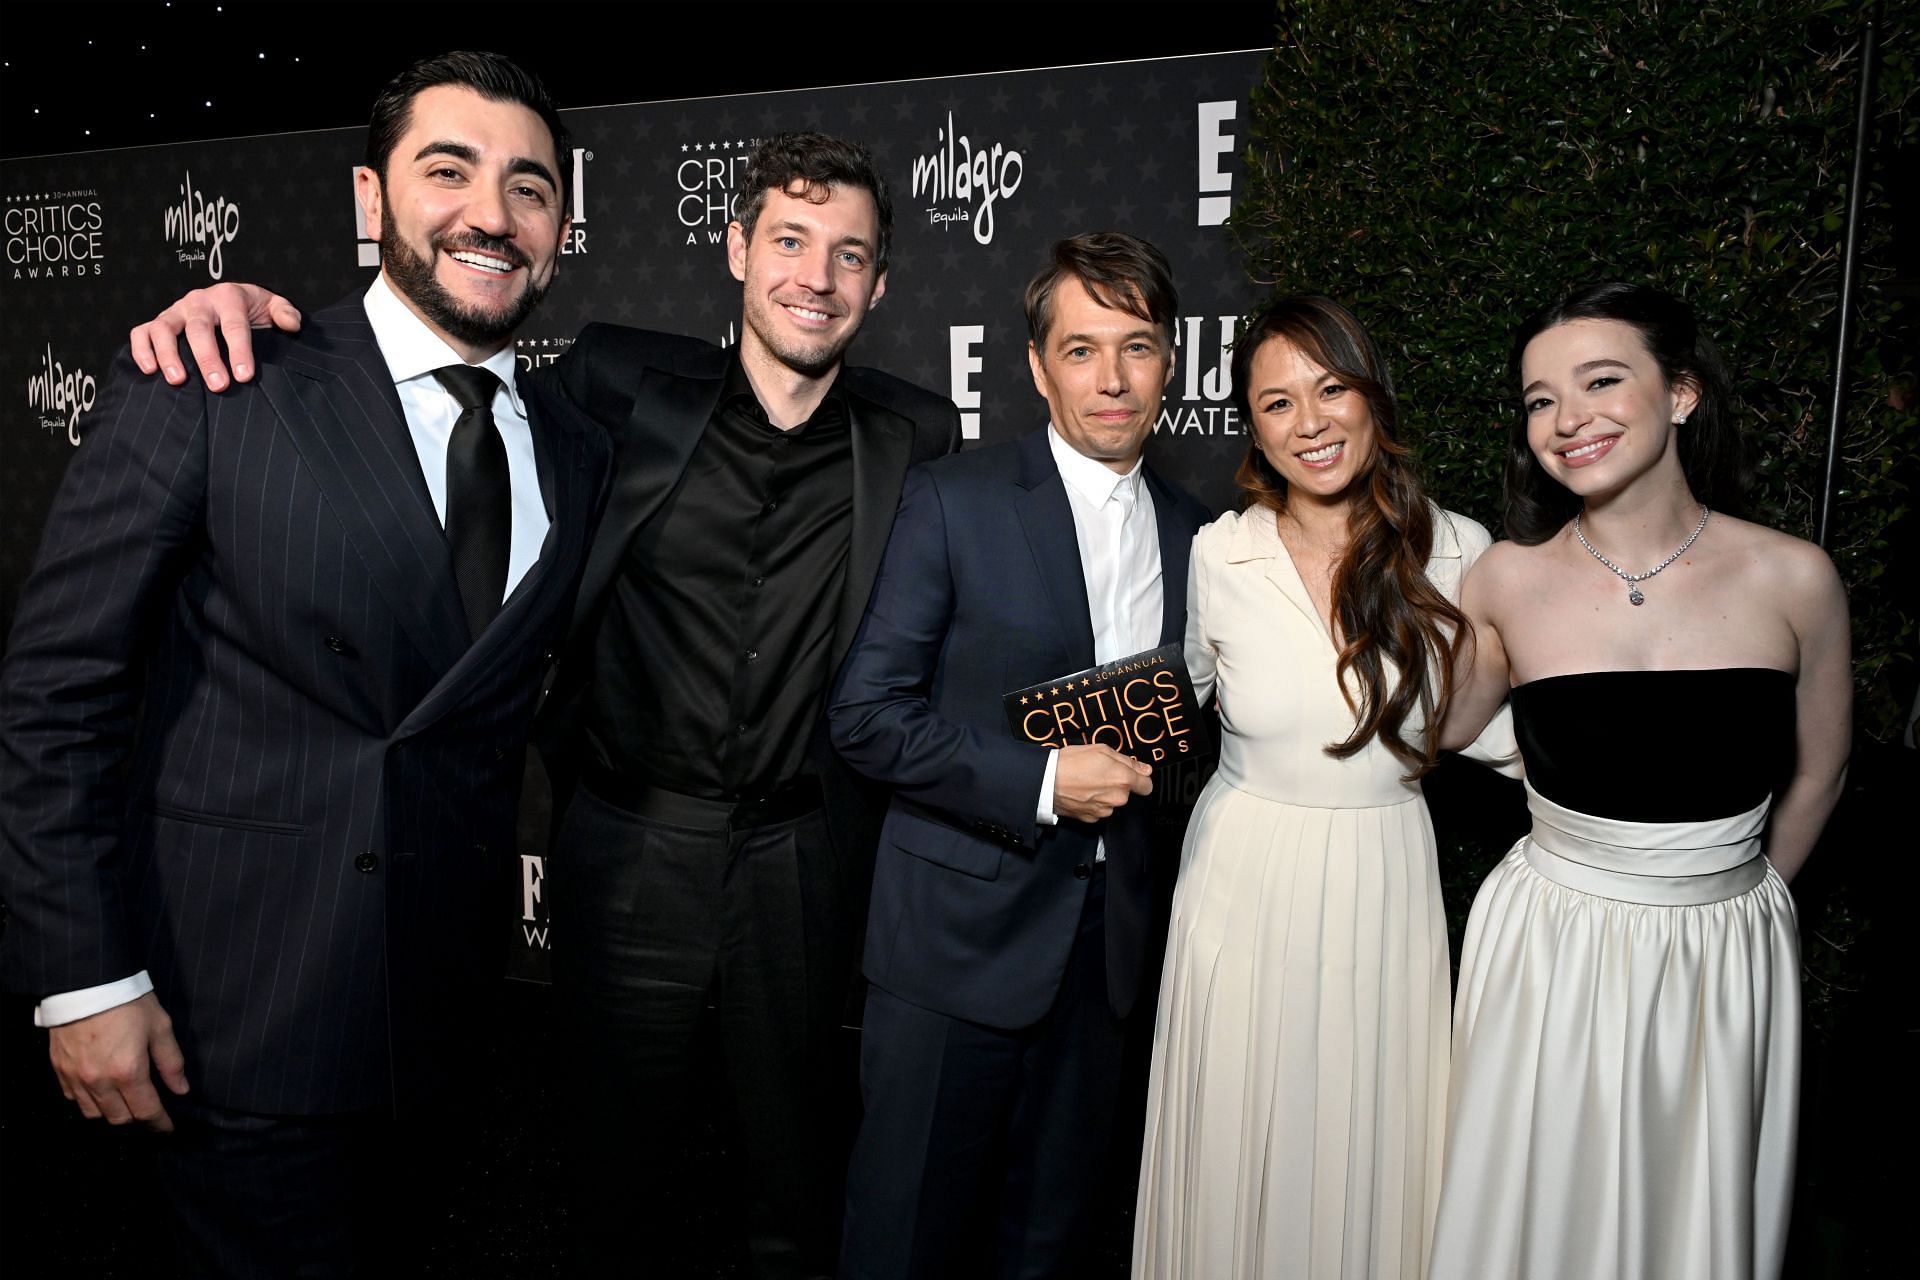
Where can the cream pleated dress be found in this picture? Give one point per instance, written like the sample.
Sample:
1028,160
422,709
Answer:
1300,1057
1627,1032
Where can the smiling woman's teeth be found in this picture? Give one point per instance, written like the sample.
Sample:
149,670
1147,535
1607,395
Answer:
1583,450
1322,455
482,261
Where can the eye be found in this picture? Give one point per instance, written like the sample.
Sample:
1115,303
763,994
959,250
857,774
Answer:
446,172
1536,404
1276,404
1333,391
789,243
533,195
852,260
1603,381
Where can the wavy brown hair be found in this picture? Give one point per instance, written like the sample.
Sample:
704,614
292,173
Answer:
1398,633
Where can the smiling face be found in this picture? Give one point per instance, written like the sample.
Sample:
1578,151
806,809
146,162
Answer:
809,277
1102,371
468,216
1599,412
1316,431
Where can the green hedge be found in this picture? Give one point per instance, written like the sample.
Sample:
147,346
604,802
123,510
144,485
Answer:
1446,169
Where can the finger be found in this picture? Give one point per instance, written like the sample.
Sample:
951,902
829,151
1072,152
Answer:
206,350
84,1100
143,1104
239,336
168,1060
142,349
109,1105
283,314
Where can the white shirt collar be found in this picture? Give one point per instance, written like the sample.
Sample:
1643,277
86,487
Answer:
1092,479
412,350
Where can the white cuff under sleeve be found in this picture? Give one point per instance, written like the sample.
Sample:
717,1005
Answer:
1044,815
71,1006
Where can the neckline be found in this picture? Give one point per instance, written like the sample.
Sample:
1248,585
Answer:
1656,671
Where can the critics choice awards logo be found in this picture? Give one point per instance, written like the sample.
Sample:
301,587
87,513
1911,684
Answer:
708,178
961,184
60,395
53,235
368,249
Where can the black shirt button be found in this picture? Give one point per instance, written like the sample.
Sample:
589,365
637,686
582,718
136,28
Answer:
336,644
760,581
365,862
1082,871
740,730
773,504
752,654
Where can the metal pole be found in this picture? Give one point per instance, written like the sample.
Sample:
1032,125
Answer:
1856,198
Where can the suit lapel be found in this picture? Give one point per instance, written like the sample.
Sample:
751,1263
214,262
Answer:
882,449
669,413
1047,521
335,397
1176,547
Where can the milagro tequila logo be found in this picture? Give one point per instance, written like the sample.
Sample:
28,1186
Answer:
199,227
60,395
961,184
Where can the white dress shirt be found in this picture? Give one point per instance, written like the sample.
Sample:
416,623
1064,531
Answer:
1113,521
412,352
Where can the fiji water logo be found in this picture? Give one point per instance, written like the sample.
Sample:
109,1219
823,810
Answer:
198,227
962,184
60,395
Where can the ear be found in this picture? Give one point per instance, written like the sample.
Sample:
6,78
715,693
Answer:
1173,362
737,251
879,291
1039,370
1686,398
368,191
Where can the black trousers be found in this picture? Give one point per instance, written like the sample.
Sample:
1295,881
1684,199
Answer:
257,1197
655,924
982,1152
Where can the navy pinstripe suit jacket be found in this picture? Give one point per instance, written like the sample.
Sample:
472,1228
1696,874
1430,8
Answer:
244,741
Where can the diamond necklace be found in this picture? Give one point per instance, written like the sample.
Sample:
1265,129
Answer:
1633,579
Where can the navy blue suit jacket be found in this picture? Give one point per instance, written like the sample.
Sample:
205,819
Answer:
245,743
975,905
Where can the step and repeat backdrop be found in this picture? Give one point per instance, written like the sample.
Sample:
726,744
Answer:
986,171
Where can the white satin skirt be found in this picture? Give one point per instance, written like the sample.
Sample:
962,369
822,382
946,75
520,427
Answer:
1626,1057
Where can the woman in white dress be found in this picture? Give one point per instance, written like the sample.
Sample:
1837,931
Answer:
1300,1056
1626,1038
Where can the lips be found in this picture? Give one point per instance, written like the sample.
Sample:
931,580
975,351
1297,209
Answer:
808,315
1323,457
1584,453
482,261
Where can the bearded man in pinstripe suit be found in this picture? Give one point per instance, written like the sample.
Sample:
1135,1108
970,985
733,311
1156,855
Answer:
262,719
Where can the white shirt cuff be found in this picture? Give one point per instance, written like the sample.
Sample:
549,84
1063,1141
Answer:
71,1006
1044,814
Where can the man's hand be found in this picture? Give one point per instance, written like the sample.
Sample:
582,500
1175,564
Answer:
1091,781
232,311
106,1063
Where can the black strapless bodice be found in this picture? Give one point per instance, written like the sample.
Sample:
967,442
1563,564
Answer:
1657,746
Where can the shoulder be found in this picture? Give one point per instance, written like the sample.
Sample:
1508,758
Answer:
1237,535
1187,509
974,468
647,348
1458,535
1792,570
925,409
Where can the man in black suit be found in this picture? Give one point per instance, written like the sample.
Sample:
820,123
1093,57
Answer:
712,849
267,693
1020,894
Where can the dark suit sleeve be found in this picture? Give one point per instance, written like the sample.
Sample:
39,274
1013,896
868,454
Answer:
124,524
882,713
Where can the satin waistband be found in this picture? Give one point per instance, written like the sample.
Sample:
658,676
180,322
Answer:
1669,864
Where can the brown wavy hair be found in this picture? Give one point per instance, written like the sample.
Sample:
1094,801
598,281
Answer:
1399,634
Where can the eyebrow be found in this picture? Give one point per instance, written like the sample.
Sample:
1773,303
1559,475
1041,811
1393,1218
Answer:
1321,381
1579,370
1143,332
461,151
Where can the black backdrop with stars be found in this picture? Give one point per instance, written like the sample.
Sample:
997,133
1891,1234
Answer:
986,170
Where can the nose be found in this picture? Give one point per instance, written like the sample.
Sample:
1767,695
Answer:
487,211
1112,373
1569,416
815,271
1309,422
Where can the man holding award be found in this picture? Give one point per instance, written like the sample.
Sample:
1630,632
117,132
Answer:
1020,892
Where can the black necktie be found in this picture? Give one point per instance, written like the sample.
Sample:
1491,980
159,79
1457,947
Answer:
479,495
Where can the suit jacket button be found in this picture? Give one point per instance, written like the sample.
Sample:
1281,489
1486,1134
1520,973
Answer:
365,862
1082,871
336,644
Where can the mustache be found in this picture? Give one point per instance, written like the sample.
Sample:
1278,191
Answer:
481,242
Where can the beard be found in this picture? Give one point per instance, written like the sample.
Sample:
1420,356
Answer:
412,275
814,358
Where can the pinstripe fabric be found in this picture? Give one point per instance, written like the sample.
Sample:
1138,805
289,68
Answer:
240,666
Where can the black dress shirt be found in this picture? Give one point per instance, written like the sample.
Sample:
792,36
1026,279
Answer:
712,662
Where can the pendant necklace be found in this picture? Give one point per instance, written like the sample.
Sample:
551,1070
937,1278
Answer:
1634,579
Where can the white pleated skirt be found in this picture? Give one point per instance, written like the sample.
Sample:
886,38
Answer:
1625,1058
1299,1075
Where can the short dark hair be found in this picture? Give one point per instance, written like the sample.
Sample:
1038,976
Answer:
816,163
1117,270
1712,450
487,74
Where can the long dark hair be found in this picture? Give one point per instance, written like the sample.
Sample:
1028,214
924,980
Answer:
1712,450
1398,633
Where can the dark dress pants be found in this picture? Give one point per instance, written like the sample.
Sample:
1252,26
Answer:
654,923
982,1152
255,1197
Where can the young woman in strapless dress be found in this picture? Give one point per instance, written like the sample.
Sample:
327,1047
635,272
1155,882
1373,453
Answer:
1626,1034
